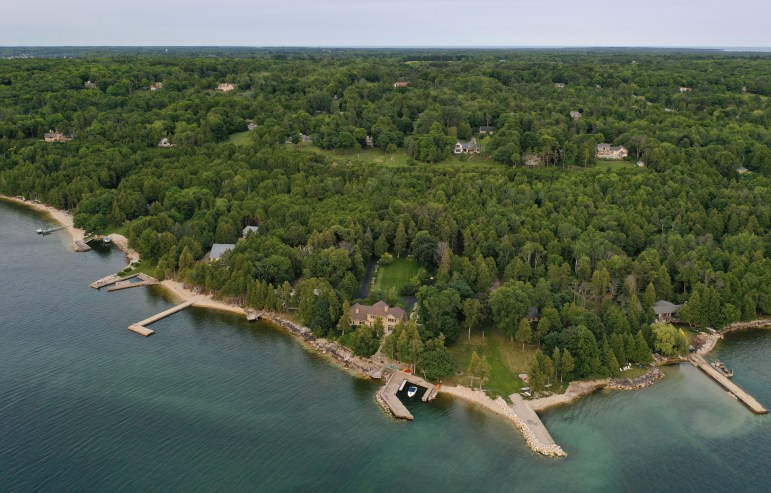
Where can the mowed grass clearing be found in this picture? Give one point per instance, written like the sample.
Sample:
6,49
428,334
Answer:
507,360
396,275
240,138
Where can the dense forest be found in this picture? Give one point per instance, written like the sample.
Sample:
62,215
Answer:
591,247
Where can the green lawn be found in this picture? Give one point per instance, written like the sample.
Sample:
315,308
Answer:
240,138
400,158
507,360
396,275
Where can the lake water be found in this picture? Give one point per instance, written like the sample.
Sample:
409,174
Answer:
213,403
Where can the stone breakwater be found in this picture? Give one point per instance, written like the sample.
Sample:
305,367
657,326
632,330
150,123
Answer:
500,407
550,450
341,354
640,382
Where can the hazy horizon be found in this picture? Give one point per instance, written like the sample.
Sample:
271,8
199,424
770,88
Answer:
712,24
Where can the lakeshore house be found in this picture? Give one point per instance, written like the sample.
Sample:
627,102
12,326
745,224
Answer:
225,86
685,89
156,86
368,315
559,85
399,84
486,130
89,85
369,141
218,250
575,115
607,151
165,143
249,230
470,147
666,310
52,136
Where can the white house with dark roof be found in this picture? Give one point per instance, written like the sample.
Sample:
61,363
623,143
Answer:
470,147
607,151
368,315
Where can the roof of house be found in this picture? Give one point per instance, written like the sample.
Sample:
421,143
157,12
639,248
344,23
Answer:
248,229
218,249
486,128
663,307
379,309
608,147
533,313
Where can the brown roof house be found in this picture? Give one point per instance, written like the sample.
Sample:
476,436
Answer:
156,86
401,84
226,86
367,315
607,151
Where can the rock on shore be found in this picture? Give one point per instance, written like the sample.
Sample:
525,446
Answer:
636,383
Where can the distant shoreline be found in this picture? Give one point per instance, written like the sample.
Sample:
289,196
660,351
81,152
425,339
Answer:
57,215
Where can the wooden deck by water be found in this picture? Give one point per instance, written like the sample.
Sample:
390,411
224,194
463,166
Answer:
391,400
141,327
727,384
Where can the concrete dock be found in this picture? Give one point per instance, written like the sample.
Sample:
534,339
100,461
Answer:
745,398
109,280
141,327
523,410
391,401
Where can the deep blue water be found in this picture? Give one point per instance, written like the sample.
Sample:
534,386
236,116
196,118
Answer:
212,403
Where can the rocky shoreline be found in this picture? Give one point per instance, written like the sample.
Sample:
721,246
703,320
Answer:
646,380
362,367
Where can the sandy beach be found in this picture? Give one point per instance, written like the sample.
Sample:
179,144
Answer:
61,217
122,243
201,300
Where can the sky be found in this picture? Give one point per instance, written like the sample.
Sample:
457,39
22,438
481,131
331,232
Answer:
367,23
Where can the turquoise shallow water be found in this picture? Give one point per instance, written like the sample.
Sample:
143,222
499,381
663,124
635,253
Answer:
211,403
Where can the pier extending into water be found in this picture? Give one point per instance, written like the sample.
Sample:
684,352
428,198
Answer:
116,283
391,401
727,384
530,419
141,327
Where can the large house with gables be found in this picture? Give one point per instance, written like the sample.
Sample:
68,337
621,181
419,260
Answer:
368,315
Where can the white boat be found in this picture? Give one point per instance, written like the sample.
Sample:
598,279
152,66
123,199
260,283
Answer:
39,231
411,391
106,240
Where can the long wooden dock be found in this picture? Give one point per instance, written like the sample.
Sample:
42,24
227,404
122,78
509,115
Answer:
141,327
727,384
391,400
